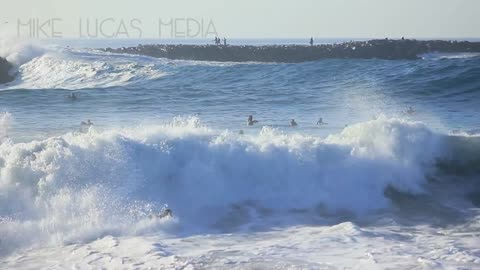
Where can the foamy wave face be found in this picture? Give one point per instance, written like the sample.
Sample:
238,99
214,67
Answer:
73,70
19,52
79,186
38,67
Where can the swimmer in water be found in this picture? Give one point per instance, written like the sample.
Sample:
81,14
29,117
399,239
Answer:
320,122
88,123
72,96
250,121
165,213
410,110
85,126
293,123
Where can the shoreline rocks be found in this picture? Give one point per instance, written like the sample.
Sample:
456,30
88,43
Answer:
404,49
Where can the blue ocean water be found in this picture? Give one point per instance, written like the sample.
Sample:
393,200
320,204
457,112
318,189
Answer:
175,132
124,90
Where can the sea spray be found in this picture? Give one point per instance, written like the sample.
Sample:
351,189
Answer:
68,69
19,52
80,186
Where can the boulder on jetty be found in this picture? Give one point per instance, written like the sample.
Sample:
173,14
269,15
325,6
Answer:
404,49
5,68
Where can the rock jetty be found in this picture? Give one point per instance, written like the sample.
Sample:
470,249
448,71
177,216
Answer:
404,49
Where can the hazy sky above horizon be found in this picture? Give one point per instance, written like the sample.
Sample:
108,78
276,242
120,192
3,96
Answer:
251,18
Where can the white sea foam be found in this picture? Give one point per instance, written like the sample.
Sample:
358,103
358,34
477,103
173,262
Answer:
80,186
387,193
53,67
438,56
19,52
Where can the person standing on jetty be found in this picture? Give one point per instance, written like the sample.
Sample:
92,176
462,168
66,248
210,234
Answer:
224,41
311,41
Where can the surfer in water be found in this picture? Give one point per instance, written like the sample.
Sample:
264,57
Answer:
293,123
72,96
320,122
410,110
250,120
164,212
87,124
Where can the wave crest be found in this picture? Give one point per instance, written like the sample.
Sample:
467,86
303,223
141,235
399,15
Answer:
78,186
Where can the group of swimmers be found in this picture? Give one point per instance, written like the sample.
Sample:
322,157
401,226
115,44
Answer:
84,126
293,123
218,41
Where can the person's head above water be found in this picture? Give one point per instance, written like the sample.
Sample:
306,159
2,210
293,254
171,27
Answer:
250,120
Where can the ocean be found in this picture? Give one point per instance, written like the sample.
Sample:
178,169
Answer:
374,187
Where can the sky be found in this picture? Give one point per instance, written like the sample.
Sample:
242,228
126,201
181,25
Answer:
241,18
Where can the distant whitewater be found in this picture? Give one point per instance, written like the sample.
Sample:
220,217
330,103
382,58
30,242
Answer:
376,187
40,68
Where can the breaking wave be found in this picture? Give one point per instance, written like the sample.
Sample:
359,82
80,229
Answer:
38,67
79,186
